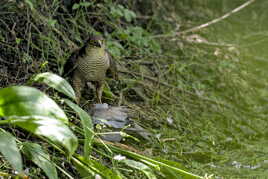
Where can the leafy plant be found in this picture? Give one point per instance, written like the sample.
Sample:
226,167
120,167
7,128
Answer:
81,4
199,98
118,11
32,110
136,39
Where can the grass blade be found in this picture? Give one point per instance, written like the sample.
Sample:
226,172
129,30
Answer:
140,166
99,168
164,166
87,126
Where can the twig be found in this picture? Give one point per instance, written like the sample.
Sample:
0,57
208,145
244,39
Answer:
197,28
214,44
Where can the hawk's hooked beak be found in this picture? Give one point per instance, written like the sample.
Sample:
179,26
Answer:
100,43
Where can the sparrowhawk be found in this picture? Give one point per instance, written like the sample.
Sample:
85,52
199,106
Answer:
90,64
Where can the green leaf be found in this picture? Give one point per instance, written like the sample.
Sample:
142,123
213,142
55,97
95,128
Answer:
51,128
86,4
116,11
140,166
75,6
28,101
56,82
87,126
52,22
83,170
30,4
129,15
133,14
35,153
115,48
18,41
32,110
81,4
10,151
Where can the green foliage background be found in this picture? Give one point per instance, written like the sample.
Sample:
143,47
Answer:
215,95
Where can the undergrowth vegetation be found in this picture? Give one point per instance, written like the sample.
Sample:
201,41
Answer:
193,97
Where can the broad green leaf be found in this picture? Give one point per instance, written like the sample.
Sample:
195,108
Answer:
10,151
35,153
87,126
32,110
28,101
140,166
51,128
56,82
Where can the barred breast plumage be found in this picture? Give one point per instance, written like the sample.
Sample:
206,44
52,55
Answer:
94,65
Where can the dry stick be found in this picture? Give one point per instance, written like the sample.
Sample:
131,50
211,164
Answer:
177,88
215,44
194,29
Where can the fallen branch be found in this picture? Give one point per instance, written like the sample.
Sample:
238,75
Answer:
197,28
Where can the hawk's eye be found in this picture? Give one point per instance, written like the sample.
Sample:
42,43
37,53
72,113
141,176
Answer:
95,43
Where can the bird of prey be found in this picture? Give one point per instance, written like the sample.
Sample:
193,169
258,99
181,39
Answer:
90,64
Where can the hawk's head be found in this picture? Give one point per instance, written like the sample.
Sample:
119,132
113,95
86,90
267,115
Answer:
96,41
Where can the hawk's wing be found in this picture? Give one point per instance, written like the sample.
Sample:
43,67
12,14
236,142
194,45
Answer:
112,70
71,63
